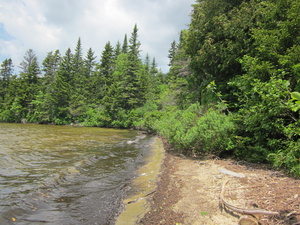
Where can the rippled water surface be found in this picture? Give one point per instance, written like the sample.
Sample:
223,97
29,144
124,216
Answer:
66,175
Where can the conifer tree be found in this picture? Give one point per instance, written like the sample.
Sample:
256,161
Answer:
172,52
78,99
29,67
147,63
77,58
125,45
29,78
135,78
117,50
89,63
6,72
50,66
61,89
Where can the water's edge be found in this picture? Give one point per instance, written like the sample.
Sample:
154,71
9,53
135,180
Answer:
136,204
66,175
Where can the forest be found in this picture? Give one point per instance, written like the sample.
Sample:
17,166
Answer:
232,87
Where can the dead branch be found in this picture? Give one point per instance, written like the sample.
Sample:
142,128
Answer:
242,210
292,213
254,186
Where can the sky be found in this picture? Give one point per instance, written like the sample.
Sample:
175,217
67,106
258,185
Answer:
48,25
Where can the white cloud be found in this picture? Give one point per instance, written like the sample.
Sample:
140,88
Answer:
47,25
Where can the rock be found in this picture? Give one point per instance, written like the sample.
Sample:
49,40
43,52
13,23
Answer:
228,172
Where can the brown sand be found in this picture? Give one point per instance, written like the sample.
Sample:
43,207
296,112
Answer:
188,192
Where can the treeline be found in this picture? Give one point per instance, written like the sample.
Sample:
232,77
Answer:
237,69
232,88
75,89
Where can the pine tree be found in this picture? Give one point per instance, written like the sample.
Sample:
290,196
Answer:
29,67
78,98
6,72
135,77
134,46
147,63
89,63
59,100
50,66
29,79
117,50
44,102
106,67
77,58
125,45
172,52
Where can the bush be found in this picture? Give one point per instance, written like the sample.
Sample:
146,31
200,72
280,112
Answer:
192,130
216,131
97,117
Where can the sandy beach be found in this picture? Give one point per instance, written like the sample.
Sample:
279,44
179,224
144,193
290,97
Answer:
188,191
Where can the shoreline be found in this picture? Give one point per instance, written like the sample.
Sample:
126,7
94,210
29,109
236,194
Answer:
136,204
188,191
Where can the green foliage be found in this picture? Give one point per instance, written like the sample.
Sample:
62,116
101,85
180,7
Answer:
97,117
144,118
233,84
289,156
295,100
197,130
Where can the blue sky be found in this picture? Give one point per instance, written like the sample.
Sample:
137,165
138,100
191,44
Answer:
47,25
4,35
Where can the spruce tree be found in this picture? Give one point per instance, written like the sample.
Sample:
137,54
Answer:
62,89
29,78
125,45
50,66
117,50
6,72
29,67
89,63
78,99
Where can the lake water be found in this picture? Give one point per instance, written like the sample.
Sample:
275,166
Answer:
66,175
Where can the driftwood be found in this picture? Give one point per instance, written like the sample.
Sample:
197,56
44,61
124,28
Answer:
242,210
136,200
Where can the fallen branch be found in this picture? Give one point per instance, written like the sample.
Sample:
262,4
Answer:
254,186
293,213
136,200
242,210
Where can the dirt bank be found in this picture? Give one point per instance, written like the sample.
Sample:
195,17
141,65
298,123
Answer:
189,188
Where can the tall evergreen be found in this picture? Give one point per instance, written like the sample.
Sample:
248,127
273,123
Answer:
125,45
172,52
117,50
89,63
6,72
29,67
106,68
29,75
135,78
77,58
50,66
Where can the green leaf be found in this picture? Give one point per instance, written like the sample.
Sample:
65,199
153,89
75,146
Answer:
203,213
295,95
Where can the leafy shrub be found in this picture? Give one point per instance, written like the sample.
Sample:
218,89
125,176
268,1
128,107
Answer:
192,130
97,117
216,131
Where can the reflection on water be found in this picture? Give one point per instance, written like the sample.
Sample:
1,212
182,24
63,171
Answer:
65,175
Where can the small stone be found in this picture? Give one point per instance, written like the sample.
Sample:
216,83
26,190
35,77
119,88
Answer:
296,196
